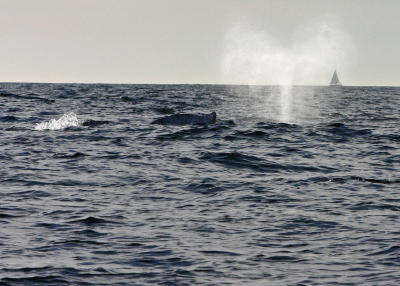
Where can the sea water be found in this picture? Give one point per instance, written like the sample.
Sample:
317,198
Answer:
276,192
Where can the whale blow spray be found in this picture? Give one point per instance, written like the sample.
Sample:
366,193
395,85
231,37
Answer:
253,57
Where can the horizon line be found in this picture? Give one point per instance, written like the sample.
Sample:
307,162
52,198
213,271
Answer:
222,84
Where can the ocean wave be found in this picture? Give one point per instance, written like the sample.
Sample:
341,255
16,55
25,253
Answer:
240,161
28,96
8,118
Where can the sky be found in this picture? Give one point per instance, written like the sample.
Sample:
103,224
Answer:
200,41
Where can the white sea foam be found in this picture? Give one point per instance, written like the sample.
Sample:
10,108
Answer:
67,120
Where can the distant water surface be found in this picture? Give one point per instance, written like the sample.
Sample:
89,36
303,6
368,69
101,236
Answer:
91,193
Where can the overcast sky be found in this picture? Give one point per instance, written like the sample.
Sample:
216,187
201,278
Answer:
185,41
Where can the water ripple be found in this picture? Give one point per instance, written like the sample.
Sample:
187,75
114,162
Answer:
99,196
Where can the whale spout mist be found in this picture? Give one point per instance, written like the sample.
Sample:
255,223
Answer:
254,57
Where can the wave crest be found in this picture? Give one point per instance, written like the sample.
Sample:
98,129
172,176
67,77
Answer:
67,120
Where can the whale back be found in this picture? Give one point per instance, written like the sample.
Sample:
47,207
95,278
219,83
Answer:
187,119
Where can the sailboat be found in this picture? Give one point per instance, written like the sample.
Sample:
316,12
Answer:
335,80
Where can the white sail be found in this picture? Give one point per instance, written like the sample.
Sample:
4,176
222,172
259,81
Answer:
335,79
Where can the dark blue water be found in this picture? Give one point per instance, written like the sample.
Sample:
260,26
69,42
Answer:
110,199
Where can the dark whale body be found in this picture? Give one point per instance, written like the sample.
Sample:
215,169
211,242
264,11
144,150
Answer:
94,123
187,119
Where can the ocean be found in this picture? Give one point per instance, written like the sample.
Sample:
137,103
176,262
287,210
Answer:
290,186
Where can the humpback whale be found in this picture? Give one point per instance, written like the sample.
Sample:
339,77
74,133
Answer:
187,119
94,123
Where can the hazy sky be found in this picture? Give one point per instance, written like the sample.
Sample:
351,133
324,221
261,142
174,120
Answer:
184,41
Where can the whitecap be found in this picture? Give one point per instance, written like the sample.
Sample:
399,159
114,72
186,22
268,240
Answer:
67,120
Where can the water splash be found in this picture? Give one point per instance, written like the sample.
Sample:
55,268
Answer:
254,57
67,120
